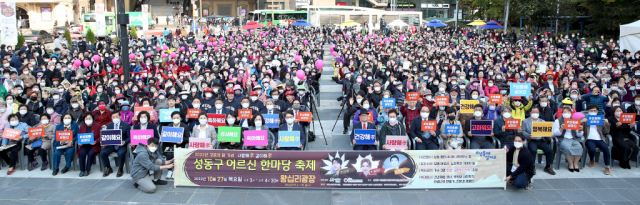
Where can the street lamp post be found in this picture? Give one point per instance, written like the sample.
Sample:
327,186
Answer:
123,20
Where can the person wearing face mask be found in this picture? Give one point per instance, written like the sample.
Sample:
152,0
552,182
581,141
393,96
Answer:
595,135
570,140
57,102
363,124
566,103
121,150
256,103
492,111
546,108
538,143
452,141
624,147
146,169
425,140
290,125
258,123
126,112
499,128
232,121
32,148
520,165
55,117
34,104
12,147
376,93
366,104
519,106
25,116
393,126
67,124
230,102
204,130
594,98
87,152
635,107
98,95
478,142
161,102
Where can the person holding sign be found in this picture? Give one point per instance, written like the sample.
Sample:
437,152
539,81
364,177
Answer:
596,138
451,140
258,123
13,146
501,130
121,149
290,126
67,125
519,106
167,147
87,152
478,142
367,106
620,132
153,113
364,124
425,139
536,143
146,170
392,127
231,122
45,143
204,130
569,140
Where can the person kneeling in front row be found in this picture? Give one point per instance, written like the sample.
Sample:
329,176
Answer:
149,162
520,164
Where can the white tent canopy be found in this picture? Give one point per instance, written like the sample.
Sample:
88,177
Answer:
630,36
398,23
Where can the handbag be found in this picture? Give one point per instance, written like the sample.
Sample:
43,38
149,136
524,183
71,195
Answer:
37,143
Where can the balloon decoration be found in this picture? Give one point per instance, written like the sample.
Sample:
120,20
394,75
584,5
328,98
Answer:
265,44
114,61
165,47
272,44
182,48
208,43
300,74
239,46
173,55
319,64
164,55
335,54
197,42
358,37
216,49
305,42
86,63
77,63
147,54
96,58
132,56
297,58
214,44
578,115
286,31
365,39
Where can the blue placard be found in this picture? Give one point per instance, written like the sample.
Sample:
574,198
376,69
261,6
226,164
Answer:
595,120
364,136
165,114
171,134
110,137
85,138
289,138
452,129
388,102
520,89
481,127
271,120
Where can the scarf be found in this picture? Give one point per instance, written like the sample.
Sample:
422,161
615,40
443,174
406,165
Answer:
515,158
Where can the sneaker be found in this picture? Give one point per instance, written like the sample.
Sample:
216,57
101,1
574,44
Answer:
160,182
45,166
11,170
33,166
529,186
607,171
170,174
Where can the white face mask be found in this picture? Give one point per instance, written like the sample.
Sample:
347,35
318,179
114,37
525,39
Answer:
218,106
474,97
566,115
477,113
441,89
23,112
56,97
115,121
143,120
14,123
637,102
258,123
9,102
290,121
208,95
254,98
203,121
176,121
543,104
152,149
196,106
44,122
574,96
518,144
161,97
393,120
269,107
88,122
593,113
49,112
365,106
231,120
66,121
506,115
424,115
245,105
535,115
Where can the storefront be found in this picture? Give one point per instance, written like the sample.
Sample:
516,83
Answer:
44,15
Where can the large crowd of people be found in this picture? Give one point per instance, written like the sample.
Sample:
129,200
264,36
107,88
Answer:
276,70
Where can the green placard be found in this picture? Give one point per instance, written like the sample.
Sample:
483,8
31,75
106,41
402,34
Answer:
229,134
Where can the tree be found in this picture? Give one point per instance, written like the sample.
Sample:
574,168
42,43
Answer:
67,36
20,40
134,34
90,36
608,15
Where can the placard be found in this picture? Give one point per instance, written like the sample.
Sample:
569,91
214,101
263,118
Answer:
467,106
193,113
413,96
138,110
289,139
64,136
244,113
571,124
271,120
495,98
511,124
595,119
140,136
305,116
520,89
11,134
216,120
364,137
171,134
85,138
36,132
229,134
429,125
165,114
627,117
542,129
407,169
481,127
442,100
396,142
452,129
110,137
388,102
199,143
256,138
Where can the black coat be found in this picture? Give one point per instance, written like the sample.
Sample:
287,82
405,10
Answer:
525,160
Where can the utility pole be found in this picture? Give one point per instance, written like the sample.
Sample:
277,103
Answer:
506,17
456,13
123,20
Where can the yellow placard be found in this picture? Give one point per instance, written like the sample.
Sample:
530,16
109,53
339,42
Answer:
542,129
466,106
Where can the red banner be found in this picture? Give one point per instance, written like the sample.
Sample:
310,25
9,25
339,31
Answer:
64,135
244,113
571,124
442,100
495,98
216,120
413,96
429,125
627,117
512,124
12,134
305,116
193,113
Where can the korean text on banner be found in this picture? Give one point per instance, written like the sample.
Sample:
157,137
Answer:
542,129
138,110
199,143
442,100
571,124
11,134
193,113
8,20
595,119
627,117
245,113
396,142
171,134
256,138
64,135
512,124
481,127
85,138
388,102
429,125
229,134
110,137
452,129
305,116
520,89
36,132
495,98
289,138
216,120
364,137
271,120
140,136
413,96
467,106
165,114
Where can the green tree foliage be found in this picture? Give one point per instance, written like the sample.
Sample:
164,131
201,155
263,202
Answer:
134,34
608,15
67,36
90,36
20,40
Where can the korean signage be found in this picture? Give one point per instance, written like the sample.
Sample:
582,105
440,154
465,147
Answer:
199,143
442,100
12,134
244,113
165,114
140,136
429,125
413,96
85,138
627,117
481,127
571,124
512,124
64,135
388,102
452,129
409,169
110,137
229,134
193,113
495,98
595,119
289,138
520,89
364,137
396,142
140,109
36,132
271,120
101,24
256,138
216,120
466,106
305,116
542,129
46,13
171,134
9,28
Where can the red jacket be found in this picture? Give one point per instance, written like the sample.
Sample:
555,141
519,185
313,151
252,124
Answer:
95,129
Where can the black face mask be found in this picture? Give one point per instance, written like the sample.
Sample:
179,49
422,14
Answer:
452,118
33,98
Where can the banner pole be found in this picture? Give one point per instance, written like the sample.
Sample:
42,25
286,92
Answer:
174,166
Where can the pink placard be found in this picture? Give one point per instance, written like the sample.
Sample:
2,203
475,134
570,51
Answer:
256,138
140,136
396,142
199,143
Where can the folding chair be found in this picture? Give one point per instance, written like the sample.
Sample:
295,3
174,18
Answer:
598,151
74,161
